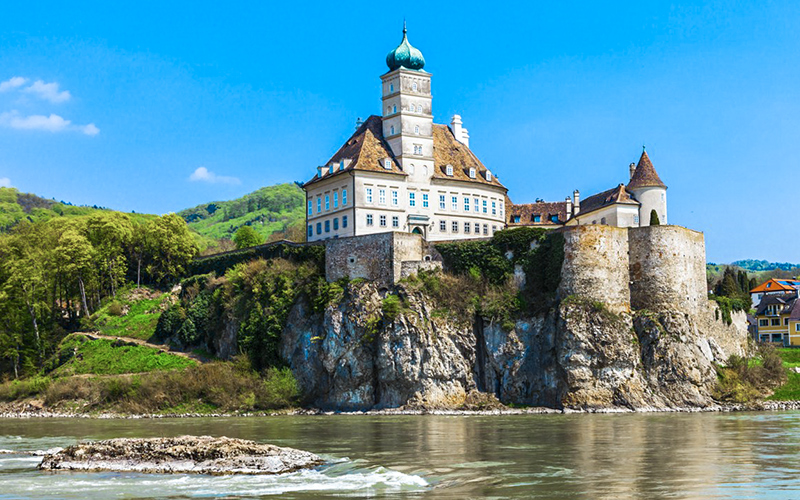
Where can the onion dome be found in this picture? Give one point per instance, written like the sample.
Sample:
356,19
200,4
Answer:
405,56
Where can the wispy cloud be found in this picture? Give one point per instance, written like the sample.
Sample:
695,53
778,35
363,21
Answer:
48,91
52,123
202,174
5,182
12,83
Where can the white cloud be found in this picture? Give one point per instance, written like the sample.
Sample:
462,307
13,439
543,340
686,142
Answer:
12,83
48,91
5,182
202,174
52,123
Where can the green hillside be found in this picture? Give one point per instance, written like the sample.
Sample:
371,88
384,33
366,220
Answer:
275,212
763,265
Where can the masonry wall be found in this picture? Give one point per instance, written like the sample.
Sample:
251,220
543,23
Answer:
376,257
596,265
667,268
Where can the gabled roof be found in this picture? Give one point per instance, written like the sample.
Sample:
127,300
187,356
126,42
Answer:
777,285
785,303
616,195
645,174
366,149
449,151
526,212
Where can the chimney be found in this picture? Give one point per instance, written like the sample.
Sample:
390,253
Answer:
569,207
459,132
632,168
576,202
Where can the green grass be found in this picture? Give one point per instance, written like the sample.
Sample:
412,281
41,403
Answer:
790,391
82,355
139,323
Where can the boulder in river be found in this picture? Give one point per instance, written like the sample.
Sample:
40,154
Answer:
180,455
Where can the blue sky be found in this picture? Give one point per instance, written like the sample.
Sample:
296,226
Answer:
120,106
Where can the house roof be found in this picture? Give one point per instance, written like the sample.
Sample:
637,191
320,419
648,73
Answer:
526,212
777,285
449,151
618,194
794,314
786,303
645,174
366,149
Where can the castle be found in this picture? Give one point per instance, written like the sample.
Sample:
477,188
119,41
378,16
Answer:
401,172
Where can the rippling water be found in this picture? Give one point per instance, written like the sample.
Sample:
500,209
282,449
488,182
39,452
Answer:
740,455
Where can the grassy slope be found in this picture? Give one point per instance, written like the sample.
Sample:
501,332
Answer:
141,319
269,210
111,357
790,391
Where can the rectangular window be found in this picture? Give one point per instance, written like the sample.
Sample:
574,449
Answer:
395,221
344,197
441,202
424,200
476,204
494,229
327,226
485,208
455,226
319,204
383,220
454,203
310,207
785,321
763,322
636,219
369,219
466,227
336,224
412,199
516,218
485,229
776,322
310,231
394,199
344,221
382,196
494,208
319,227
369,195
442,226
327,202
466,204
477,228
336,199
797,327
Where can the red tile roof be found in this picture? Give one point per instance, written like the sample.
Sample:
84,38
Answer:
545,210
618,194
777,285
645,174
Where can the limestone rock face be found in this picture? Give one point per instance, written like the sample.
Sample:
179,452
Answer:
186,454
579,355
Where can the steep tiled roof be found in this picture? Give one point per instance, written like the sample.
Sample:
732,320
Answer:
645,174
777,285
366,148
544,209
795,313
448,151
616,195
785,302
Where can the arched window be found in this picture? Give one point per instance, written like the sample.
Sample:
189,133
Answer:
414,86
411,169
425,170
391,130
416,129
394,109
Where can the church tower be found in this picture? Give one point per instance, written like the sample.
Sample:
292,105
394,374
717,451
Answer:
407,113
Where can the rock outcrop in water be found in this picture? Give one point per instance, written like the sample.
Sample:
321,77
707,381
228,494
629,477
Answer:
578,355
186,454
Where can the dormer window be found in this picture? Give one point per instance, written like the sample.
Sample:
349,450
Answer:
449,170
472,173
387,163
488,176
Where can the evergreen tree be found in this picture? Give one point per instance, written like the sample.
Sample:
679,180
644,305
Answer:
654,218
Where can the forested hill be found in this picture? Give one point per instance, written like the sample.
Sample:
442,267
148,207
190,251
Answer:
763,265
16,207
275,212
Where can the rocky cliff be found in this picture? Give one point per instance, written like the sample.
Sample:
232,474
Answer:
580,354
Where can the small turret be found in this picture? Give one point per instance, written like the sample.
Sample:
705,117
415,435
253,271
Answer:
648,189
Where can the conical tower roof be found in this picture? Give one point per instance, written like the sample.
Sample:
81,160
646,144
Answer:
645,175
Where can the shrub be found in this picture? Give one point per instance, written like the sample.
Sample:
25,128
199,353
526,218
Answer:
114,309
390,308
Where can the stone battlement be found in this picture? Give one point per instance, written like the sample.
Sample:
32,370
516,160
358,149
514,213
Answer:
653,267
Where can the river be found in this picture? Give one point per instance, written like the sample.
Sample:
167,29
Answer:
663,455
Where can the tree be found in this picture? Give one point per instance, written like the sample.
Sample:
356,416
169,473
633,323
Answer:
170,248
246,236
654,221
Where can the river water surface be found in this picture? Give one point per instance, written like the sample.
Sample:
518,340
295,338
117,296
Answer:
698,455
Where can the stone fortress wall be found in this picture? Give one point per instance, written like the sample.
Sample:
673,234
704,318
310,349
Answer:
652,267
